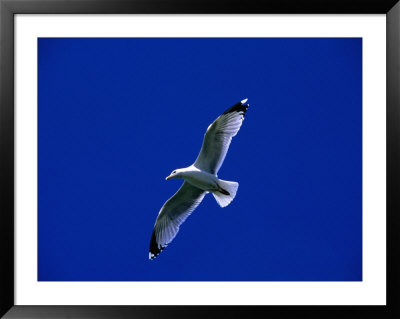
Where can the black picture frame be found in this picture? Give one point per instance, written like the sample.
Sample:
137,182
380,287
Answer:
8,8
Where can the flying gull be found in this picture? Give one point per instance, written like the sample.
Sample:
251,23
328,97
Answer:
200,179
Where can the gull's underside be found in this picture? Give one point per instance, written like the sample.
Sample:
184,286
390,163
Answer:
200,179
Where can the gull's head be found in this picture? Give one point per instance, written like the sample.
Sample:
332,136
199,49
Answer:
174,174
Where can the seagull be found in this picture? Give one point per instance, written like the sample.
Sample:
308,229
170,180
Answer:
200,179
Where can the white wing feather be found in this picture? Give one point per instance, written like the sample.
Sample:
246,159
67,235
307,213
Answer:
218,137
173,213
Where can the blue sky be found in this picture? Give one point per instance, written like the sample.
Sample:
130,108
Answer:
116,116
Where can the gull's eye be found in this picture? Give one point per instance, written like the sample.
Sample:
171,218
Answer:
174,172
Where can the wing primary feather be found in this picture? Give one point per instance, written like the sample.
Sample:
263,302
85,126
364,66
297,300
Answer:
154,248
238,107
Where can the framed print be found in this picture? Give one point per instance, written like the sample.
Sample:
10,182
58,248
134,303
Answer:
292,212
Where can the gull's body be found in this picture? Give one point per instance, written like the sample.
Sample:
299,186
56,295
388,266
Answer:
200,179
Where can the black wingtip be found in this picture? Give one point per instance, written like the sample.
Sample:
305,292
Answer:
154,249
242,106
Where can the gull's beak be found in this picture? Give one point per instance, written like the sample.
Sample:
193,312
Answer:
168,177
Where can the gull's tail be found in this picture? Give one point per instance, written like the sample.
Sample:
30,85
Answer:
226,193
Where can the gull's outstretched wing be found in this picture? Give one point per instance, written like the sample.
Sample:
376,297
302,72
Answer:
219,136
172,215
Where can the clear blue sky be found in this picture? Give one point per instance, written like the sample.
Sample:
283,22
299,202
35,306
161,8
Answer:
116,116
